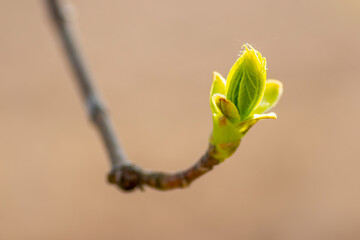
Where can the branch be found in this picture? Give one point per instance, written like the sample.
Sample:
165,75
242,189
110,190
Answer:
123,173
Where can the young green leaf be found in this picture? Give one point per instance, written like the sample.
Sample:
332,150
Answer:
246,81
272,94
217,87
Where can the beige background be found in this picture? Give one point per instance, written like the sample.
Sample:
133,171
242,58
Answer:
293,178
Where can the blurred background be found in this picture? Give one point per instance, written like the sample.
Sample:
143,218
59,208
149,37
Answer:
293,178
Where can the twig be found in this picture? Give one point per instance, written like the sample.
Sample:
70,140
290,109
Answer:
123,173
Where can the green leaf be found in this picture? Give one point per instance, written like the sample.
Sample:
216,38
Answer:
217,87
246,81
213,104
244,126
270,115
272,94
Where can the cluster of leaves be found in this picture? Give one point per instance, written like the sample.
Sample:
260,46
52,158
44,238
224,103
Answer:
241,100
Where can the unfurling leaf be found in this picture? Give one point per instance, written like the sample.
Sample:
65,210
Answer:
246,81
272,94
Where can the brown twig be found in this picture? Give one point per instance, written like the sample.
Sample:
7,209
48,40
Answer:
123,173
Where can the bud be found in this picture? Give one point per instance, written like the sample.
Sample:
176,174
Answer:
240,101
